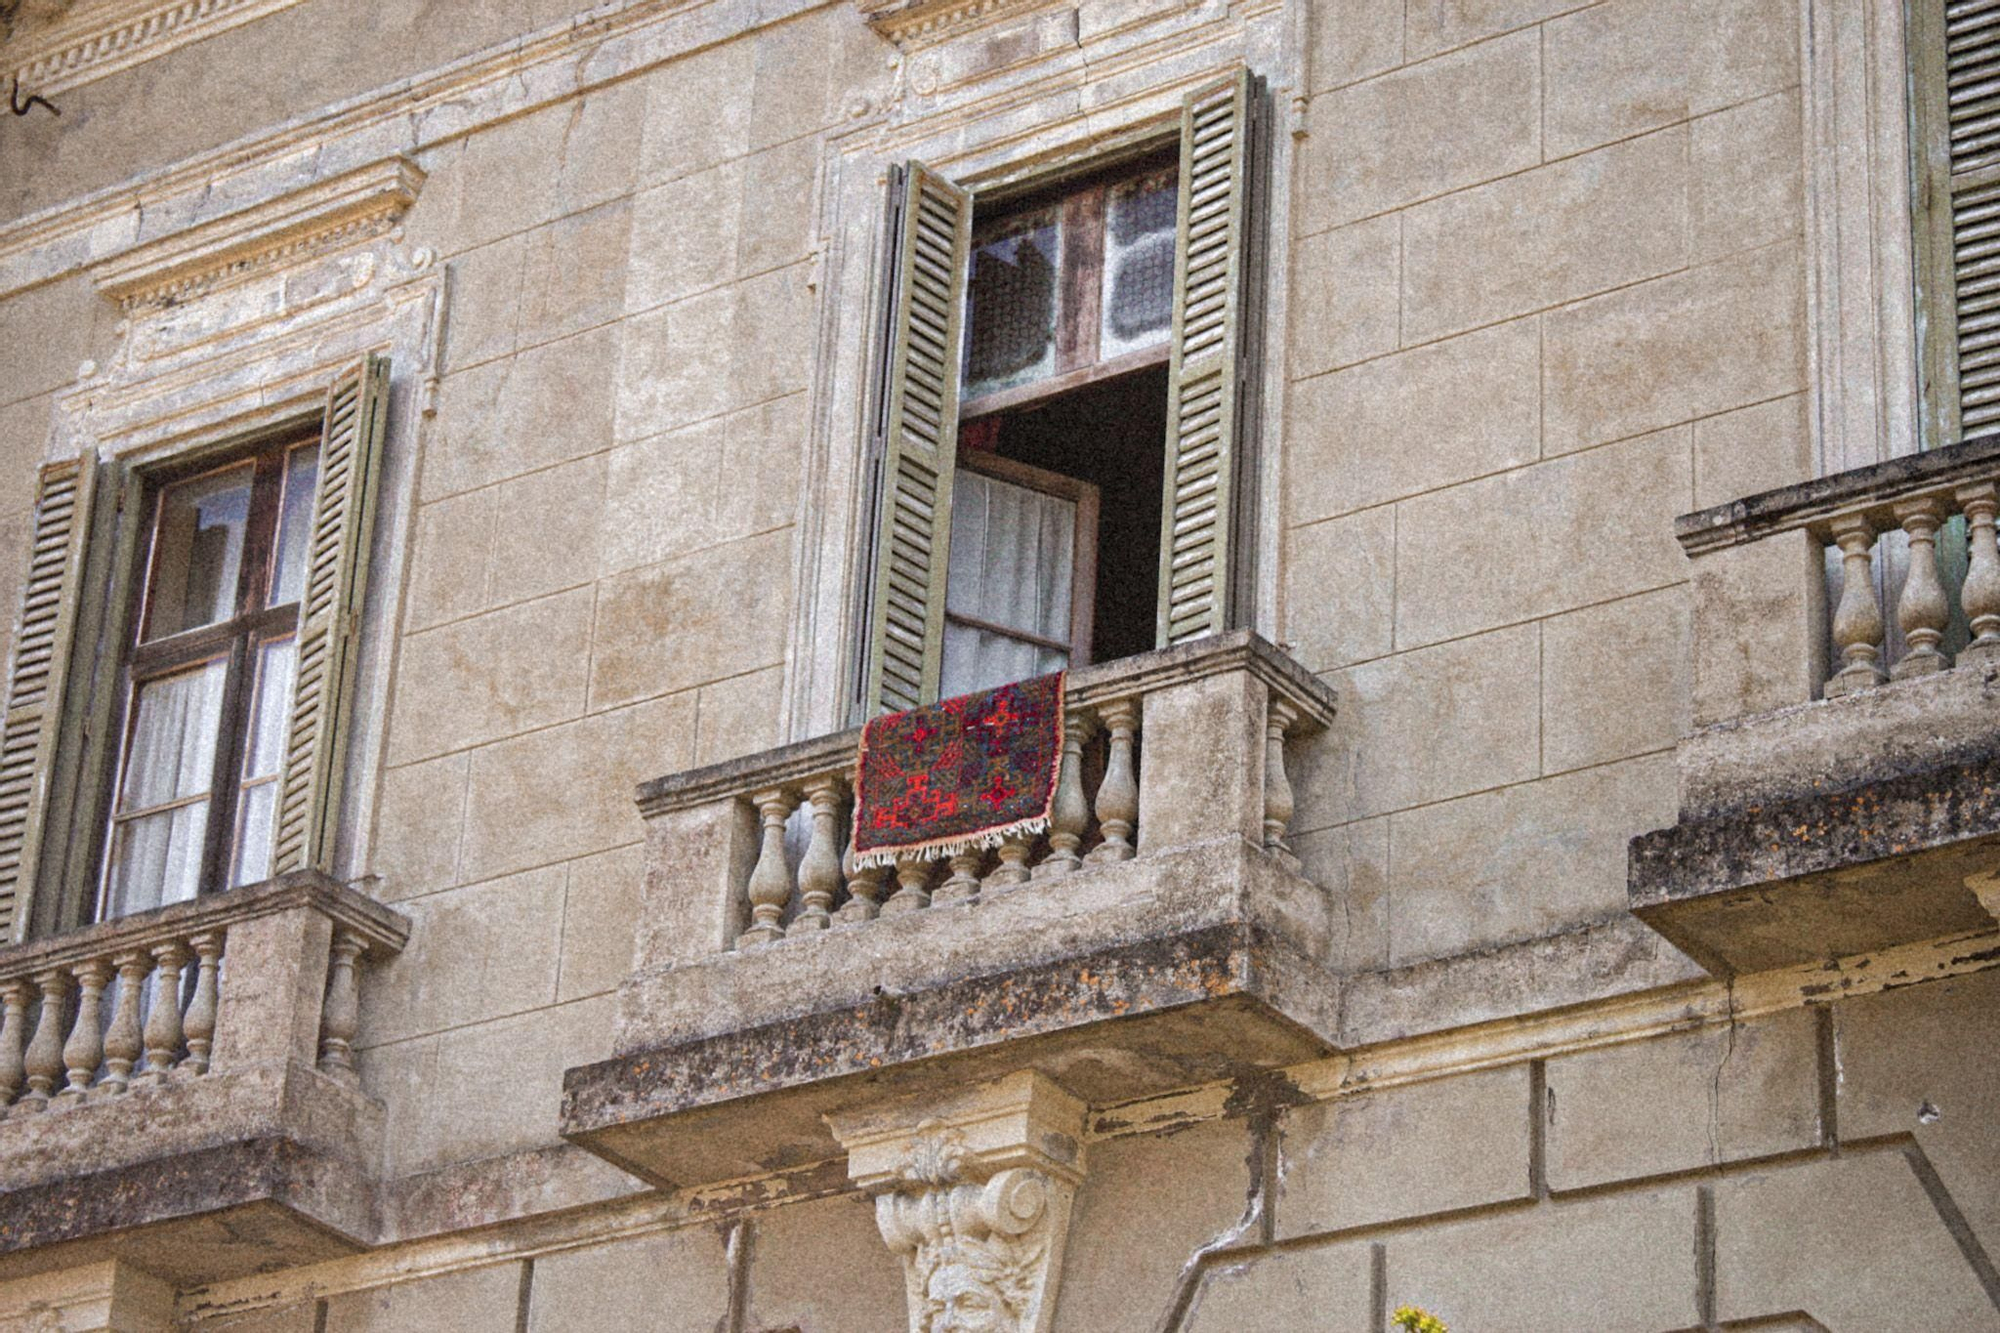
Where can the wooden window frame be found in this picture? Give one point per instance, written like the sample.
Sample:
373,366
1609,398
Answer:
1083,566
238,640
1082,203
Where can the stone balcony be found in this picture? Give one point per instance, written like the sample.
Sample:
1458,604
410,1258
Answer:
1841,790
1161,935
177,1089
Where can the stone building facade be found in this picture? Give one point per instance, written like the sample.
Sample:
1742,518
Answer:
1528,843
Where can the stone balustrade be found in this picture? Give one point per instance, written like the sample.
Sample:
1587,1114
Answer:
792,878
1836,586
137,1003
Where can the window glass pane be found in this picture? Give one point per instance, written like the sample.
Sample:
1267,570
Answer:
198,552
288,568
162,808
1013,550
1011,296
268,711
1139,263
254,831
977,659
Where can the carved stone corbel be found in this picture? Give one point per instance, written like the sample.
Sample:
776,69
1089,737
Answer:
973,1193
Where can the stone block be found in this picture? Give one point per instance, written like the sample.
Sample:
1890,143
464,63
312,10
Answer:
703,617
1751,450
697,111
601,907
486,302
823,1266
1325,1286
1149,1203
491,676
1346,297
698,231
1340,588
724,349
1185,795
573,272
1629,66
1745,189
451,563
695,864
1369,1157
738,716
1424,726
1759,627
1678,347
419,818
1717,1094
1564,533
1522,861
474,1300
1621,1263
545,530
566,791
1557,233
290,1317
277,968
59,314
475,953
1414,133
671,1282
1439,25
1918,1061
1352,39
1351,861
1401,424
1615,680
1875,1255
543,406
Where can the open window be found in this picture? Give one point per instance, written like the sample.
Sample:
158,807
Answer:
177,702
1061,417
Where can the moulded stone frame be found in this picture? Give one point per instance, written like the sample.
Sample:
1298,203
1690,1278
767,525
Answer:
988,129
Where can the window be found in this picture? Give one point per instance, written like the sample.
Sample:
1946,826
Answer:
1061,415
176,705
208,678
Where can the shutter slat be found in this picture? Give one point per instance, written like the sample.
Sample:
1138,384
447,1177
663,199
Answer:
342,529
919,434
37,677
1958,98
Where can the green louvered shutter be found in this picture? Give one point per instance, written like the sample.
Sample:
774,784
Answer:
1205,388
918,434
35,687
1955,47
330,617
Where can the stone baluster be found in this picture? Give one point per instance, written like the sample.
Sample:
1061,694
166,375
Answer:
1069,813
13,1038
963,886
1277,784
201,1012
1982,579
819,871
1013,867
163,1024
44,1062
770,887
1118,793
85,1048
913,873
1857,622
1922,611
122,1046
340,1016
864,892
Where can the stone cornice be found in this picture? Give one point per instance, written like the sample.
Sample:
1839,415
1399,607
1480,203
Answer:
910,23
364,202
92,41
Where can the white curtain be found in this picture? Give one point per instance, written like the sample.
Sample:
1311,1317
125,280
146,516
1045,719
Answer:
156,857
1013,555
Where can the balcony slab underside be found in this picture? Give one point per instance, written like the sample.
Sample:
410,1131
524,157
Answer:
1832,829
1117,980
218,1176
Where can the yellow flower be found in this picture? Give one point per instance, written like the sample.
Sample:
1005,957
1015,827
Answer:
1414,1320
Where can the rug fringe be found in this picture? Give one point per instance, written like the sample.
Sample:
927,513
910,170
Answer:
940,849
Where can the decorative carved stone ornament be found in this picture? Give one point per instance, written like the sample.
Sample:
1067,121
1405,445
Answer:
910,23
973,1194
60,44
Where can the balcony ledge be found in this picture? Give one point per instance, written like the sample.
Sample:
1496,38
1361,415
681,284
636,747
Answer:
1203,955
265,1157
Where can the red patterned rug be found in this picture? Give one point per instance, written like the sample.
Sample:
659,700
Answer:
963,773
